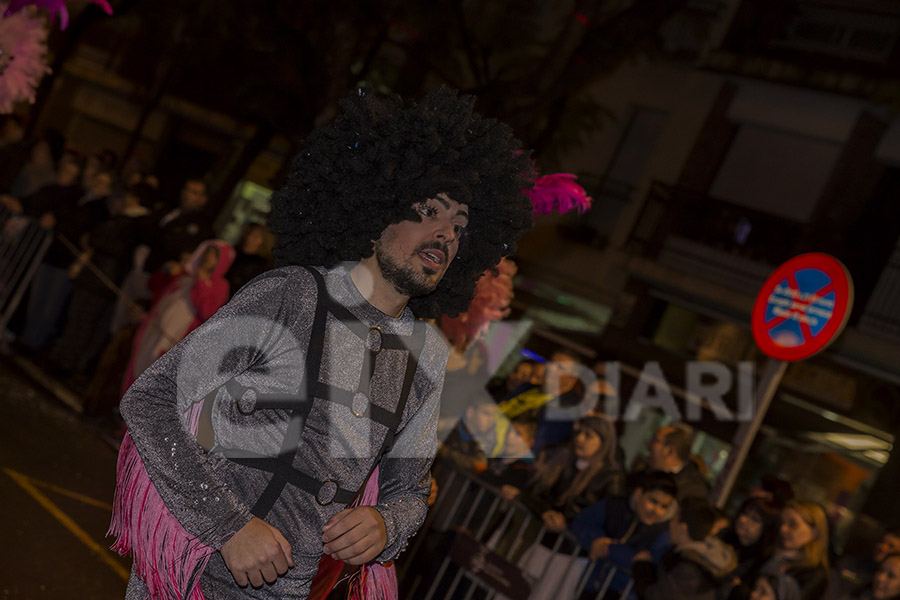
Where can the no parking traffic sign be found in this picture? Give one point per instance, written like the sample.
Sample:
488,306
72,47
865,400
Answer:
802,307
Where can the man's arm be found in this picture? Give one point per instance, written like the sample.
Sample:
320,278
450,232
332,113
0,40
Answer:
228,344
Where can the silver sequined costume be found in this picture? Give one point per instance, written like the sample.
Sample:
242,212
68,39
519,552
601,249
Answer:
259,342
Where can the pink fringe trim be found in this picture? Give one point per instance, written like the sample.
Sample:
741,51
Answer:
374,581
166,557
558,192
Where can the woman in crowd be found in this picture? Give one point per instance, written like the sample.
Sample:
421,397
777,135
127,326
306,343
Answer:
802,550
886,583
567,479
753,536
254,255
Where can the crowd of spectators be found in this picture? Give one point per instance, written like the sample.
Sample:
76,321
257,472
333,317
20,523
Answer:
128,272
649,528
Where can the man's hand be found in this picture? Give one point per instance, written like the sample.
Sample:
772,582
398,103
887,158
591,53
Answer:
47,220
509,492
355,535
11,203
554,521
643,555
432,496
600,548
257,553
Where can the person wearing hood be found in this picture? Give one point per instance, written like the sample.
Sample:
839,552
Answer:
695,566
190,299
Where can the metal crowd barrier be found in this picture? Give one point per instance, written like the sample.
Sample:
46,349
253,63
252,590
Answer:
474,544
23,244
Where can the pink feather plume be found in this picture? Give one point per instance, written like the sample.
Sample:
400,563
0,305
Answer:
23,57
491,303
558,192
54,7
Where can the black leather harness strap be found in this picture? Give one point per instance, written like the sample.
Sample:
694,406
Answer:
282,466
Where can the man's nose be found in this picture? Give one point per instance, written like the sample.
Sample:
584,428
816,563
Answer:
446,232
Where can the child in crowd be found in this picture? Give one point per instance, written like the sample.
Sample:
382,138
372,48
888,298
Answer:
775,587
616,529
191,298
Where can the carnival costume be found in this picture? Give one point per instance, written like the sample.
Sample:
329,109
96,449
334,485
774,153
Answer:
301,411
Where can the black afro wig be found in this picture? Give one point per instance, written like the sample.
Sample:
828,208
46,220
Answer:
381,157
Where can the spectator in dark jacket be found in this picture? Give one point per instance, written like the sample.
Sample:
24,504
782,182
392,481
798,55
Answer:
695,566
753,536
254,256
57,208
670,451
108,247
568,479
178,232
616,529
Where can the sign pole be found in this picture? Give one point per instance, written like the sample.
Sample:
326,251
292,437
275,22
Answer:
746,433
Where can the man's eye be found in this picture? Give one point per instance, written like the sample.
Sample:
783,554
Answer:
427,211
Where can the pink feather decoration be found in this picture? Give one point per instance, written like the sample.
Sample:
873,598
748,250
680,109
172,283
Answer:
54,7
491,303
558,192
23,55
166,557
374,581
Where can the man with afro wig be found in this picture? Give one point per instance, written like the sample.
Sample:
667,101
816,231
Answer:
251,441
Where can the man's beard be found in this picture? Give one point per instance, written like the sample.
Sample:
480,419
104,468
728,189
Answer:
405,279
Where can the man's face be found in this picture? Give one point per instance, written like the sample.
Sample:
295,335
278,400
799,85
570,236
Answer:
659,451
520,375
480,419
414,255
562,373
889,544
193,195
68,172
100,184
652,507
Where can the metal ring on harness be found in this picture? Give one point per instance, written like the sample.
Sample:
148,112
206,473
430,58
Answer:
333,488
248,398
360,405
374,341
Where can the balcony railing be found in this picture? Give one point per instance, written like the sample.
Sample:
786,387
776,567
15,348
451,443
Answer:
700,235
833,32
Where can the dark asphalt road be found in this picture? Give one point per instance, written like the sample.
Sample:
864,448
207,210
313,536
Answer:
52,543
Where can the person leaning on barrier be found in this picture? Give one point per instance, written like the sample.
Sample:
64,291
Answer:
616,529
695,566
567,479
